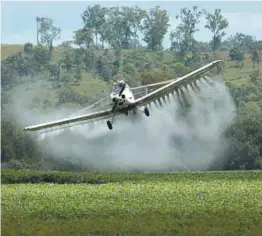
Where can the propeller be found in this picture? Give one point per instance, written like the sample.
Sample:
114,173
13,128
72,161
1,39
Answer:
116,100
122,90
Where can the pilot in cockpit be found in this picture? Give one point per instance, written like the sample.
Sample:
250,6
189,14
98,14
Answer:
118,86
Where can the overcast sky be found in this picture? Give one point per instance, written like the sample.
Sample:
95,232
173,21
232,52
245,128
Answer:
18,24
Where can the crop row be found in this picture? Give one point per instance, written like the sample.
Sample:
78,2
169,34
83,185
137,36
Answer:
203,203
9,176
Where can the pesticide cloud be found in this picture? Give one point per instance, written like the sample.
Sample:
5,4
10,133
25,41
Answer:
172,138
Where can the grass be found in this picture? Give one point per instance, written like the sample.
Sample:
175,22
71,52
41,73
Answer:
10,49
92,86
204,203
239,76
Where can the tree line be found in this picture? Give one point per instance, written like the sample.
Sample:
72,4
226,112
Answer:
125,27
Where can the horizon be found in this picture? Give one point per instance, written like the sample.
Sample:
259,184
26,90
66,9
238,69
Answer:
244,17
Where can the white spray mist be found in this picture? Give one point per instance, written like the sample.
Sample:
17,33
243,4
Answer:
167,140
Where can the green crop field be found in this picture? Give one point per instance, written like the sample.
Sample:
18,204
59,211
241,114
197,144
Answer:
203,203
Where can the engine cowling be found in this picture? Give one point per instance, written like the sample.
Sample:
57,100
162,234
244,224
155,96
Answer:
119,100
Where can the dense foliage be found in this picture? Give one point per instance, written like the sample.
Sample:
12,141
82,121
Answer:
204,203
109,47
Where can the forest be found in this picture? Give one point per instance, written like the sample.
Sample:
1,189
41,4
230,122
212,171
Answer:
109,47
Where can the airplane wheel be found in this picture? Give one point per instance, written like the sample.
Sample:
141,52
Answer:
146,111
109,124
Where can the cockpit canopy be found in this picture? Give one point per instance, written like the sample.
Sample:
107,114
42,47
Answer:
119,85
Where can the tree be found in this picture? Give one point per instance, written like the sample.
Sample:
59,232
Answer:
180,69
155,27
135,43
202,46
235,54
255,77
78,74
48,32
119,27
256,51
129,24
117,63
37,29
84,36
89,60
107,34
129,69
41,55
187,28
94,17
216,23
244,143
138,16
122,20
255,58
249,108
176,39
242,41
28,48
239,40
78,56
178,43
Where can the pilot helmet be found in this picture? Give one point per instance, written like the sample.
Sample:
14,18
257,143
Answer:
121,83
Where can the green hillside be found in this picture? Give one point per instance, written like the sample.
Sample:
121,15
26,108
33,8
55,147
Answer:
231,73
76,87
44,78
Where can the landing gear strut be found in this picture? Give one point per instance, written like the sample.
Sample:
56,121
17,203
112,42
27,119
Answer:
109,124
146,111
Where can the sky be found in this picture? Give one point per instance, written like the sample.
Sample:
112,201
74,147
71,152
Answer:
18,24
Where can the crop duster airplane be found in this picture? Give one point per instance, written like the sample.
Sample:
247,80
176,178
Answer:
123,99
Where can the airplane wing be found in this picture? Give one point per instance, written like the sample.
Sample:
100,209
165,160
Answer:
152,85
145,89
175,84
103,103
93,116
